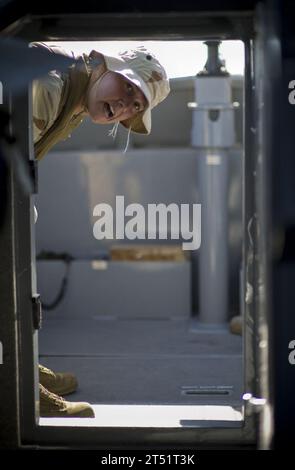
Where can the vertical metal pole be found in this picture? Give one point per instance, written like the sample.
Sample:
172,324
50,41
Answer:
213,135
213,264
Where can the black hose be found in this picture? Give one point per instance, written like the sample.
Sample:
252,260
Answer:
67,259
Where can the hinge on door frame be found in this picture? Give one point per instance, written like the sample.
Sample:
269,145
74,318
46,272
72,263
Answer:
33,165
253,404
37,311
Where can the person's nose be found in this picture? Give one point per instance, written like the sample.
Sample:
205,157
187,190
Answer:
127,104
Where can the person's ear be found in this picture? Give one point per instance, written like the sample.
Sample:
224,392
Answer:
98,65
97,56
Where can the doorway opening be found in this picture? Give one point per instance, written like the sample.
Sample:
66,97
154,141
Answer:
135,319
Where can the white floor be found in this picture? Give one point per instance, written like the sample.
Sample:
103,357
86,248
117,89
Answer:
165,416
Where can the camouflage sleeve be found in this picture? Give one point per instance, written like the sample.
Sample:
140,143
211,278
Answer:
46,94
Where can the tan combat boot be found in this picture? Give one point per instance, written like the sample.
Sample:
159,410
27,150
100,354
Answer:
53,406
60,383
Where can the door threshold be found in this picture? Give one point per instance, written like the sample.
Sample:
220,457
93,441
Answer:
155,416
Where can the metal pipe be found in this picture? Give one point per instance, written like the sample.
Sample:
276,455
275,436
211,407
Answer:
212,136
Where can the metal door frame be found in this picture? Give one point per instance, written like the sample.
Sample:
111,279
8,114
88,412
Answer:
31,432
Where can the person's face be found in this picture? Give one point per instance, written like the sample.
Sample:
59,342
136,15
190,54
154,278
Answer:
114,98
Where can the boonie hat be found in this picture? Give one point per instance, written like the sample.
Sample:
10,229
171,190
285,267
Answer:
143,69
